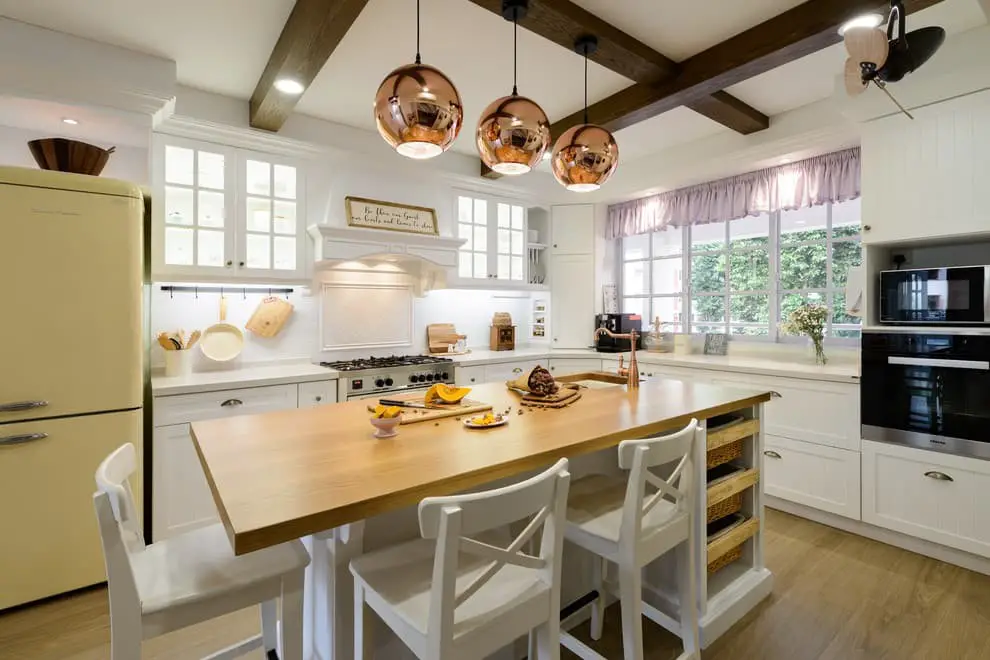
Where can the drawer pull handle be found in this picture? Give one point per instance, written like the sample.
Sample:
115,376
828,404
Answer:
319,398
771,454
230,403
938,476
517,370
22,405
23,438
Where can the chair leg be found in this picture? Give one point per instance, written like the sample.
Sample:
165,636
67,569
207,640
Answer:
269,627
688,596
292,616
363,639
631,597
599,571
125,640
548,640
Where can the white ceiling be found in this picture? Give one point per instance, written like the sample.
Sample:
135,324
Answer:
222,46
95,125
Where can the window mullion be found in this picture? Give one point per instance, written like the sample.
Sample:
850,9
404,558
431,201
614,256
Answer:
774,283
829,297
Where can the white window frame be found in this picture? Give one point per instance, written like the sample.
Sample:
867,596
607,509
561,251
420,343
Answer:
775,291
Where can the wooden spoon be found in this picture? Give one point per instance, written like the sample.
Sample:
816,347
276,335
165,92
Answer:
165,342
193,338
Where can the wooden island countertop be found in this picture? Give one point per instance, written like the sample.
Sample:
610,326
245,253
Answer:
285,475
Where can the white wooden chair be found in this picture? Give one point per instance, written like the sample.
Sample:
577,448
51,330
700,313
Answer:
617,520
456,593
190,578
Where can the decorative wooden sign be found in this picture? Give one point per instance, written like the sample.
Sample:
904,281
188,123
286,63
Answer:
716,343
375,214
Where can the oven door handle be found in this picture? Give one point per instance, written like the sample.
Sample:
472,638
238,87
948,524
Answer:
978,365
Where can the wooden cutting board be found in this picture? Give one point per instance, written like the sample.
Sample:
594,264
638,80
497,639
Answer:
440,335
414,415
269,317
563,397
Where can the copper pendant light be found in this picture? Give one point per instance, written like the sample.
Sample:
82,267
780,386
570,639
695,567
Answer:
417,109
585,156
514,132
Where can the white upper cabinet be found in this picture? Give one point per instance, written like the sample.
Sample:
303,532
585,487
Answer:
226,214
927,178
572,229
494,232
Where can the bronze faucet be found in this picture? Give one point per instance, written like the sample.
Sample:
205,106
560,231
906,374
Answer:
632,373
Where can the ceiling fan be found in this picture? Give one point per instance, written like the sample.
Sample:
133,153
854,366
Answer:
881,57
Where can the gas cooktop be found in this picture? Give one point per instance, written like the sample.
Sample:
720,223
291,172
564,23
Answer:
364,364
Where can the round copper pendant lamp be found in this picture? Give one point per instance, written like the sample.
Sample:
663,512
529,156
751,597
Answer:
417,108
585,156
513,132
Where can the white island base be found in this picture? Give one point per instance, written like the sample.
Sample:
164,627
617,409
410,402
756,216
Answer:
724,597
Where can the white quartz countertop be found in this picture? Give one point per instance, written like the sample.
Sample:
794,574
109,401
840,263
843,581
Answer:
245,376
843,370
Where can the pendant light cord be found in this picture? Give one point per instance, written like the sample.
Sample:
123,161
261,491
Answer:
419,60
515,53
585,84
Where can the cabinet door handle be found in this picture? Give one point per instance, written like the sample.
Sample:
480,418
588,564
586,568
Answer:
230,403
319,398
555,245
938,476
241,264
472,380
867,227
23,438
771,454
17,406
229,263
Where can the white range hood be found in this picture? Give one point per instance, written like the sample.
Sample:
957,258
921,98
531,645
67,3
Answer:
430,261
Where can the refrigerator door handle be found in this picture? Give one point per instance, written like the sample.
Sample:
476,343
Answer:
18,406
22,438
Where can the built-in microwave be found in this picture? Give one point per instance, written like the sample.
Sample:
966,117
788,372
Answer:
930,391
958,295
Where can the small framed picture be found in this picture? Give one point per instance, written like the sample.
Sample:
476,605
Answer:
716,343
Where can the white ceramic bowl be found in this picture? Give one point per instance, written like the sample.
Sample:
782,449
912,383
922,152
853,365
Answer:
386,426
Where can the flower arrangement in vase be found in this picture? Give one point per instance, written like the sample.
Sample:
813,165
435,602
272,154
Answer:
809,319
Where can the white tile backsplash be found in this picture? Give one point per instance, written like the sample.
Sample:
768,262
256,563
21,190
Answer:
469,310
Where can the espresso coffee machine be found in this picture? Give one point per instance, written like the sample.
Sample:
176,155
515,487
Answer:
619,324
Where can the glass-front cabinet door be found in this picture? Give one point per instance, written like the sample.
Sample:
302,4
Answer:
196,191
269,234
495,239
226,214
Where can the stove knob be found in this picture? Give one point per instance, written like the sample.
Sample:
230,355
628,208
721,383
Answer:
413,379
389,382
379,383
429,377
446,376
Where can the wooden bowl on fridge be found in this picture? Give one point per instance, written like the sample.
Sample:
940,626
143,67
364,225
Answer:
63,155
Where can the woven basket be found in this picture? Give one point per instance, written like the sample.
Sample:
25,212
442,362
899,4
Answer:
725,508
725,560
725,453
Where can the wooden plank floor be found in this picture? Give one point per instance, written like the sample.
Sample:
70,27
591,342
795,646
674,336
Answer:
836,596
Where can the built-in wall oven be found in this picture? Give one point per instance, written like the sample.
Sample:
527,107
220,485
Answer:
929,390
956,295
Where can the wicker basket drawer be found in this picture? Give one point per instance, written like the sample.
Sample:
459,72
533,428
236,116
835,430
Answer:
726,507
729,433
736,481
731,537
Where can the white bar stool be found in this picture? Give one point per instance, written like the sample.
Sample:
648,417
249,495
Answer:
616,520
190,578
456,593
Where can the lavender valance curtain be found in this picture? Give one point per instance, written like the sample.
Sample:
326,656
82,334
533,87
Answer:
833,177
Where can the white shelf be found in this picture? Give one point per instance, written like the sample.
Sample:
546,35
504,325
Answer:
536,246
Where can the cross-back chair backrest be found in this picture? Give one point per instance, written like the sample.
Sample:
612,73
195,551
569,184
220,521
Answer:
120,526
639,457
452,520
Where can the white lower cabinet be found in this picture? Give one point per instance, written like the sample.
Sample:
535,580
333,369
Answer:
181,498
318,393
495,373
936,497
564,366
469,376
818,476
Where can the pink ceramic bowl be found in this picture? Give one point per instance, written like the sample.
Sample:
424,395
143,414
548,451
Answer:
386,426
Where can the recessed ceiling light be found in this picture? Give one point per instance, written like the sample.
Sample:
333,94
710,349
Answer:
866,20
289,86
69,121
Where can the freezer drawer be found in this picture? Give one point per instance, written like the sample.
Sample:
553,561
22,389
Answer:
50,543
71,265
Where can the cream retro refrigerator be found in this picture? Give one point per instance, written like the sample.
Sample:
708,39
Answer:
71,369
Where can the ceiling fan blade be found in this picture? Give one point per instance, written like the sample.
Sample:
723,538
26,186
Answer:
853,76
908,53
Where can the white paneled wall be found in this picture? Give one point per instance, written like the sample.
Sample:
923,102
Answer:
928,178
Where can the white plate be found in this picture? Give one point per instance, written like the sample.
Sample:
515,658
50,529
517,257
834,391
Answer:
502,422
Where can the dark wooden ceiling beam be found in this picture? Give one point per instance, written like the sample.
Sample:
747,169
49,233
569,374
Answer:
562,22
310,35
800,31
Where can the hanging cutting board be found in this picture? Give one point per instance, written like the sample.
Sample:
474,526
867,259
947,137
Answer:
413,415
269,317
